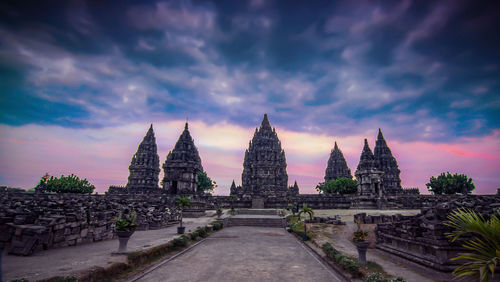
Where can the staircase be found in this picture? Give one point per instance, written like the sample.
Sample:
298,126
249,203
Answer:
255,217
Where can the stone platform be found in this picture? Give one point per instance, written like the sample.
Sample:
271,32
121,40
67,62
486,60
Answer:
256,217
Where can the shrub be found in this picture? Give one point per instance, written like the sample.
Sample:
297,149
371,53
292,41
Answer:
66,184
341,185
345,262
218,225
377,277
450,184
181,241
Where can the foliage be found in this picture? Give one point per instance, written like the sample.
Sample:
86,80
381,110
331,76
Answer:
341,185
484,245
450,184
201,232
344,261
217,225
205,183
65,184
182,241
126,223
181,203
359,235
378,277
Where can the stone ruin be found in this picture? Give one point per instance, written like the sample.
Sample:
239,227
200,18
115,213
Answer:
182,166
421,238
264,167
33,222
337,165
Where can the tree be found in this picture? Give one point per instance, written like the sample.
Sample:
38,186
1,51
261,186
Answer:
341,185
182,203
65,184
205,184
310,212
450,184
484,245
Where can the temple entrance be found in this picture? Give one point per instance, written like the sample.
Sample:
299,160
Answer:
174,187
377,188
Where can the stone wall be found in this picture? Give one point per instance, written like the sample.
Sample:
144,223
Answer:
421,238
33,222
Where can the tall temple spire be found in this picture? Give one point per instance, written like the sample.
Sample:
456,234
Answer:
337,165
367,159
182,161
386,162
145,165
264,165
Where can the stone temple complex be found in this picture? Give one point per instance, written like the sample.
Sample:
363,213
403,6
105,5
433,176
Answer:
182,166
388,164
264,167
368,175
337,166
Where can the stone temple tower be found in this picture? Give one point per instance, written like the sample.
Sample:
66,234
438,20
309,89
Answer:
264,166
368,176
182,166
337,166
145,165
388,164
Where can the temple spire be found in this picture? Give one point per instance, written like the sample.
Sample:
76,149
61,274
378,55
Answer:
385,161
145,165
337,165
367,159
265,122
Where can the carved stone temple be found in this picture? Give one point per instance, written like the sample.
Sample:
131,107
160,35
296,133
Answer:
370,182
264,167
388,164
182,166
337,166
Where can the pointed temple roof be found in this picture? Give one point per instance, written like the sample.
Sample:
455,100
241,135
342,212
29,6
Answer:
386,162
367,159
145,165
264,165
337,165
185,151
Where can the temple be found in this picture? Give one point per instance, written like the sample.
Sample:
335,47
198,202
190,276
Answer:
264,167
182,166
368,175
388,164
337,166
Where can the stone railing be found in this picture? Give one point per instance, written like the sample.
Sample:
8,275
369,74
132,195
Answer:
31,222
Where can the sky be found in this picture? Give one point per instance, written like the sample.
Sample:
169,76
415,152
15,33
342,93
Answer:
81,81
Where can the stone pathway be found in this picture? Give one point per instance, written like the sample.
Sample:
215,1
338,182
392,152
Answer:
245,254
71,260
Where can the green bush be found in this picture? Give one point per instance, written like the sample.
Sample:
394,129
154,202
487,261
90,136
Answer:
345,262
181,241
66,184
378,277
341,185
450,184
217,225
205,183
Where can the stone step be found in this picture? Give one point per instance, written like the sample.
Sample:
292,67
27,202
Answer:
262,222
257,211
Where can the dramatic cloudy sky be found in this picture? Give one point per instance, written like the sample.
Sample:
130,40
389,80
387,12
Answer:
81,81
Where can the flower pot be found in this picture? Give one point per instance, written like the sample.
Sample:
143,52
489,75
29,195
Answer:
180,230
219,213
123,237
362,246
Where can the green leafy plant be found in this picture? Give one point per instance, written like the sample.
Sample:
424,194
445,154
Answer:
65,184
181,204
359,235
205,183
310,212
344,261
126,223
341,185
450,184
378,277
484,246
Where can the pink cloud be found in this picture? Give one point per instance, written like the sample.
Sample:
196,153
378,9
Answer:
103,155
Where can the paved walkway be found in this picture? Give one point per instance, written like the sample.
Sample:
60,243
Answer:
71,260
245,254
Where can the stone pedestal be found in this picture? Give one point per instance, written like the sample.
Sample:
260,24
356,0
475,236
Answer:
123,237
362,247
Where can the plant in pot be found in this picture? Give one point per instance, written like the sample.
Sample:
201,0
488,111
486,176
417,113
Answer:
219,212
360,241
309,211
125,226
181,204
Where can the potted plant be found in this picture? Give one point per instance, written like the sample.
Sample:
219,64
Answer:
219,212
181,204
124,227
309,211
360,241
